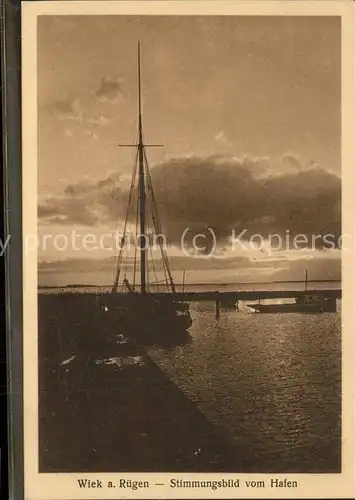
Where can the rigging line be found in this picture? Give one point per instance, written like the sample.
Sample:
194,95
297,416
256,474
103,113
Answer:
136,241
122,242
125,250
136,224
125,254
119,260
150,187
146,238
153,263
164,255
166,279
155,273
159,226
164,260
122,246
155,211
126,264
151,251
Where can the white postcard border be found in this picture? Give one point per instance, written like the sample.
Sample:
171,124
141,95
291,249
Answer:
64,486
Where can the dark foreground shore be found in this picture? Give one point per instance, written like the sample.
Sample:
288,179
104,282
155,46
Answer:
105,406
131,419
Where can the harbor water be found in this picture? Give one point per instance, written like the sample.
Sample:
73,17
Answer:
270,384
272,381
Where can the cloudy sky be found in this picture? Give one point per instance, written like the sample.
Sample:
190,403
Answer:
248,110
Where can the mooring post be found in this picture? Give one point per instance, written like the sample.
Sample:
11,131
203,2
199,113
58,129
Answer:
61,350
218,311
237,305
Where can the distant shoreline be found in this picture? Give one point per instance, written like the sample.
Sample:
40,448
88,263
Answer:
246,283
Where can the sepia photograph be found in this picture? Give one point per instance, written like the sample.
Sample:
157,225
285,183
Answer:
189,251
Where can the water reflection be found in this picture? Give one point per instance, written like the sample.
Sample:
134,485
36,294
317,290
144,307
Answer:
273,381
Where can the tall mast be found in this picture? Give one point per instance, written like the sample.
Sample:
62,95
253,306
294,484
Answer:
142,163
142,194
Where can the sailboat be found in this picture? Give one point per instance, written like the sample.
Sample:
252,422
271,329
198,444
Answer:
137,308
308,303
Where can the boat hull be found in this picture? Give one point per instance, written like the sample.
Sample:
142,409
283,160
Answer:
325,306
149,322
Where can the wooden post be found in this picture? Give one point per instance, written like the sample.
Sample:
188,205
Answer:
218,311
59,333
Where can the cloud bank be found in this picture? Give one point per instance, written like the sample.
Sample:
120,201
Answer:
220,192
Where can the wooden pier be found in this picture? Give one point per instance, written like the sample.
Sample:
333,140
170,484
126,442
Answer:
224,300
231,300
250,295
